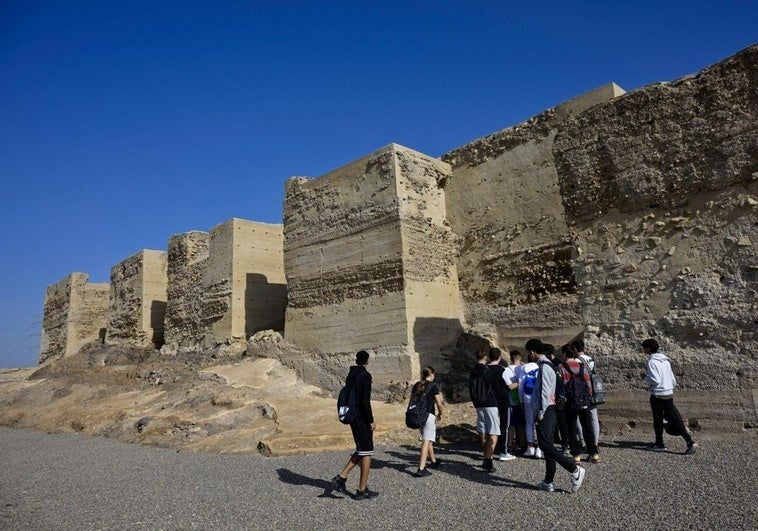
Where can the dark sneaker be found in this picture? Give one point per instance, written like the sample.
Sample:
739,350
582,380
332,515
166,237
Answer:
577,478
692,447
338,484
656,447
422,473
487,466
435,464
547,487
365,494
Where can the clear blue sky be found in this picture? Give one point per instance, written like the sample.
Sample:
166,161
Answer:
122,123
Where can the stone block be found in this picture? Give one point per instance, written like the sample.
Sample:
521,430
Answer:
75,314
371,262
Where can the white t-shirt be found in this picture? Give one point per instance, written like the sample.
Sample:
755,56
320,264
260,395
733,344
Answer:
513,374
589,361
529,367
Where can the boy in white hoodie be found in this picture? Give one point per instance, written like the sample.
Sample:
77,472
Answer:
661,381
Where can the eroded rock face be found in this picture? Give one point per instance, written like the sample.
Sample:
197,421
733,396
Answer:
660,189
370,263
504,202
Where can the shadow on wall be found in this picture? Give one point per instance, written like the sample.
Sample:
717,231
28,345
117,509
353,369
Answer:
264,304
434,339
157,318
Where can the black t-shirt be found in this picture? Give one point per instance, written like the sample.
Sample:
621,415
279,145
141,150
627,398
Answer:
431,392
502,393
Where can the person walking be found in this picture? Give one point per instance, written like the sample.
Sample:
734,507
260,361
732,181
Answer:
661,383
544,395
431,392
363,427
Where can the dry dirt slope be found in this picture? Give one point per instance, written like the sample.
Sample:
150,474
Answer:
190,403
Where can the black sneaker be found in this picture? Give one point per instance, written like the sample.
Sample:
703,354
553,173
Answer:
422,473
338,484
435,464
487,466
656,447
692,447
365,494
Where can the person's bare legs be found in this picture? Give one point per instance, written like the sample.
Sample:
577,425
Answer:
365,468
350,465
425,446
489,449
432,457
483,440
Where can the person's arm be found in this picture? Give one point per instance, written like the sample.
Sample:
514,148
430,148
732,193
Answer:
438,402
365,399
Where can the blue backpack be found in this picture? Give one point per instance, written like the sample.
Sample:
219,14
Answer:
530,381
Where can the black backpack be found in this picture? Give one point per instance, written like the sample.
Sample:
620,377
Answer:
346,403
479,387
578,396
418,409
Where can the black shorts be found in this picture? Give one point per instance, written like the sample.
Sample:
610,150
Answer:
517,416
363,436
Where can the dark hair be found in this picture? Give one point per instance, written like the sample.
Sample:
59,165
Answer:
515,354
651,345
361,358
568,352
548,349
533,345
578,345
420,386
494,354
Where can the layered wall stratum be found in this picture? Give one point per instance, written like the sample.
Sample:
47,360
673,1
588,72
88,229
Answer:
504,202
138,300
370,263
225,285
660,189
75,314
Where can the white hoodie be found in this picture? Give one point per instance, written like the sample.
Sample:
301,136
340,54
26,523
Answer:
660,378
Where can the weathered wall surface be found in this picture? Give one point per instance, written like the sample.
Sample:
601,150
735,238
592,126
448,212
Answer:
225,285
348,239
244,282
503,200
186,264
661,189
75,314
138,300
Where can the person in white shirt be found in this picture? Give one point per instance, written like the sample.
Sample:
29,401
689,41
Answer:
516,421
530,402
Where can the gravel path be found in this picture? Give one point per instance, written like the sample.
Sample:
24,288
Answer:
76,482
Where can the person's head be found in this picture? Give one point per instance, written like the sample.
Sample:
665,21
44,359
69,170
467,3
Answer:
548,350
534,349
567,351
494,355
650,346
515,356
578,345
427,373
361,358
427,376
483,355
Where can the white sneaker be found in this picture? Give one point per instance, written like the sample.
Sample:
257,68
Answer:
577,478
538,454
529,451
505,457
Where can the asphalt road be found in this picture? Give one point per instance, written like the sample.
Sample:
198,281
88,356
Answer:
75,482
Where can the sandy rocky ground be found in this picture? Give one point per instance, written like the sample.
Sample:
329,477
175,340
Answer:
226,401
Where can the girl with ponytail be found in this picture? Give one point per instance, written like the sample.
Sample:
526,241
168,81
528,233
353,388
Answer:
426,386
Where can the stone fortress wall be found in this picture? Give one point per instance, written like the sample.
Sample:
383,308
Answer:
138,300
505,203
370,263
75,314
614,216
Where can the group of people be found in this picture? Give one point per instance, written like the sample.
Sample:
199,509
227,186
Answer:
526,407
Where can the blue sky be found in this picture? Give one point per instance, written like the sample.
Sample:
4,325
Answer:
122,123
